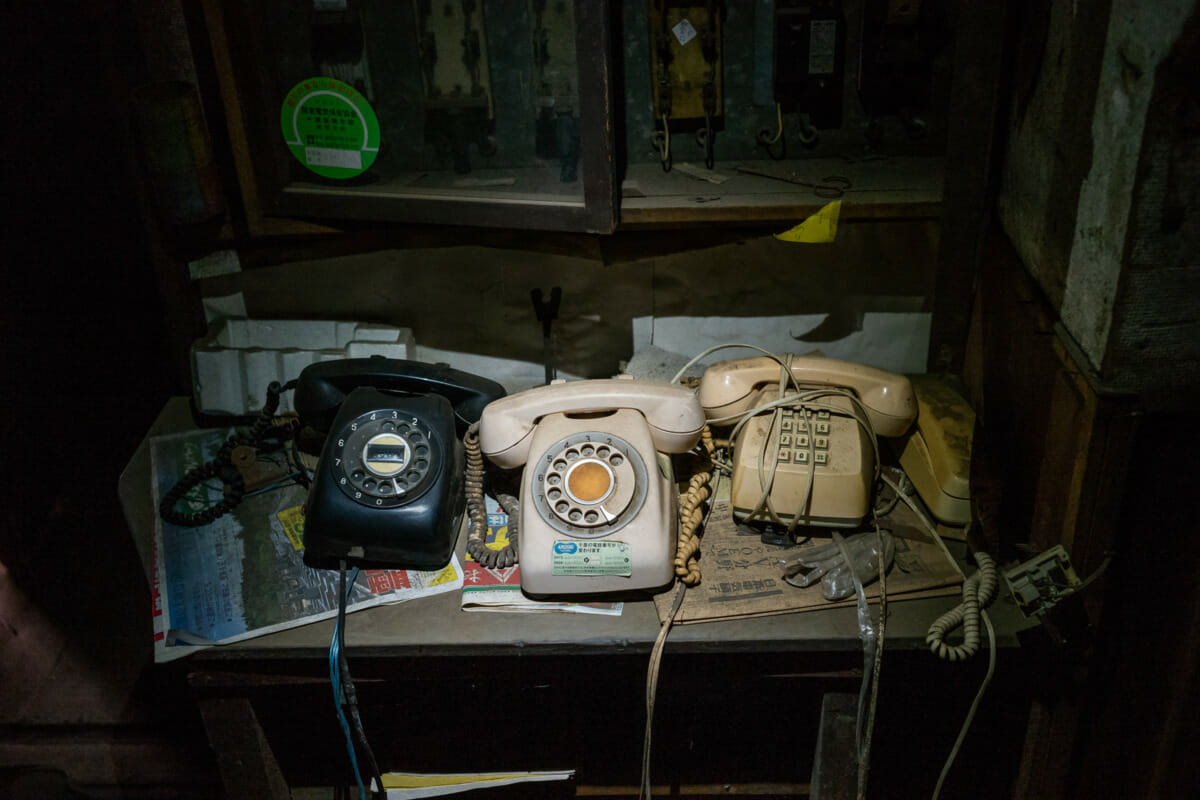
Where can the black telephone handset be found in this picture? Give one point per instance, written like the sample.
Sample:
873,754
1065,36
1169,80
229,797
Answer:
388,490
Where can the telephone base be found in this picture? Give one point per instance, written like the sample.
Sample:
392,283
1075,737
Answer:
329,554
631,553
610,596
822,456
775,535
362,510
778,536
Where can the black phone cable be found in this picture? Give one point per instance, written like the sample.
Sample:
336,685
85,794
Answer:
344,689
335,673
222,467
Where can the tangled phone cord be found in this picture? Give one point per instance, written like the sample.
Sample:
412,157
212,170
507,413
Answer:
691,515
222,467
477,512
978,591
981,590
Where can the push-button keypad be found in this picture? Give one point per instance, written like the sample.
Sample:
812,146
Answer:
794,445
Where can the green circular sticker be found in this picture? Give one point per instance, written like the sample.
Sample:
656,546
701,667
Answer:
330,127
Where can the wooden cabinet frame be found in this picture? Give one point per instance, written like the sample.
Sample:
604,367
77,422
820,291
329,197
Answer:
250,100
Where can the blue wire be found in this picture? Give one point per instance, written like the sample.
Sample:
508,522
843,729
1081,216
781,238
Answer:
335,677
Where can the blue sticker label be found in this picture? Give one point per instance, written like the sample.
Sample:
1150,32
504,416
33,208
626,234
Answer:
593,558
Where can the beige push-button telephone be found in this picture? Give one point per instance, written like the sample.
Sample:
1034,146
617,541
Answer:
809,455
598,503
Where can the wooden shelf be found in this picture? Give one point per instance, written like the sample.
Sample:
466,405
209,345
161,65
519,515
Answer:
539,185
892,188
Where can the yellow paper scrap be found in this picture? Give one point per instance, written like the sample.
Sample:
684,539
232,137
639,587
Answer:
447,575
292,520
401,780
409,786
820,227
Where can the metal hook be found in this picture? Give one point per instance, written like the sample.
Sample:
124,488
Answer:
831,187
707,142
662,140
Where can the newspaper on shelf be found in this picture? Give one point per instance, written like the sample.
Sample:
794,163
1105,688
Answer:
500,589
243,575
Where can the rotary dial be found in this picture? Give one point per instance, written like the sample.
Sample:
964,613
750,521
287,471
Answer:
589,484
384,459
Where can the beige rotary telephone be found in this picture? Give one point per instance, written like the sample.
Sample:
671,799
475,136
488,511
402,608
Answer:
598,502
804,446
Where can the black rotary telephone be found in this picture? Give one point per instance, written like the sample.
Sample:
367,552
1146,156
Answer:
388,489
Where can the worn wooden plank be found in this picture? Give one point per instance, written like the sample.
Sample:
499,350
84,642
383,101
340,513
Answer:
248,766
596,123
835,764
967,198
256,223
135,761
688,791
896,188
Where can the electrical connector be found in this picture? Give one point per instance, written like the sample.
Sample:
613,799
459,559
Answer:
1041,582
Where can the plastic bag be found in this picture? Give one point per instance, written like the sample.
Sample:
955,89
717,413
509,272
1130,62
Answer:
827,565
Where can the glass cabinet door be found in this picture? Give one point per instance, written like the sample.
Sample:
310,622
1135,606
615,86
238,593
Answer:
469,112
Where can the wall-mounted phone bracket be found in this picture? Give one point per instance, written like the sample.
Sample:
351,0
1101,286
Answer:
555,85
685,60
810,43
339,48
457,79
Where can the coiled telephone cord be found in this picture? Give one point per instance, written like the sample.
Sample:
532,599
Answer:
977,592
477,511
691,515
222,467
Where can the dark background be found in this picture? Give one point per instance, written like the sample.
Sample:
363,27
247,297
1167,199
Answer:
86,364
84,360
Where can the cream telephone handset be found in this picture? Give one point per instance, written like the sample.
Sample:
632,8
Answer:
598,502
809,456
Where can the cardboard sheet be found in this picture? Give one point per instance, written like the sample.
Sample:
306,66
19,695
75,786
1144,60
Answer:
742,577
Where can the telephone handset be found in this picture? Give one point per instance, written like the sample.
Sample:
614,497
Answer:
936,455
388,489
597,497
811,461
